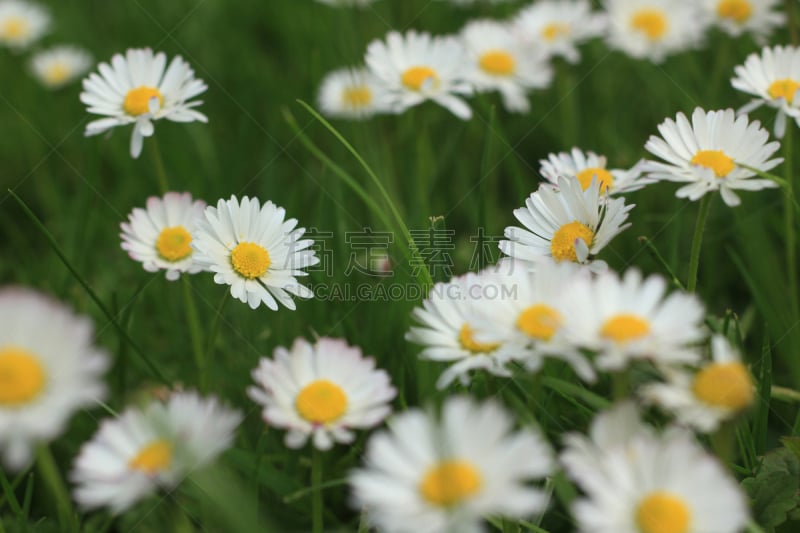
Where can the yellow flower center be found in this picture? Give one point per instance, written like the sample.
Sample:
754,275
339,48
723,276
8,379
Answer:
623,328
539,321
662,512
498,62
56,73
562,246
22,377
416,77
603,176
250,260
137,101
153,458
727,385
736,10
785,89
652,22
554,30
450,483
15,27
321,402
716,160
174,244
468,342
359,96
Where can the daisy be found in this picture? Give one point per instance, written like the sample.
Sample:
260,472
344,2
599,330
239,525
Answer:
653,29
633,318
60,65
252,248
136,89
151,448
638,481
429,474
160,236
565,223
351,93
558,26
416,67
22,23
710,154
736,17
588,165
49,369
498,61
321,391
719,390
773,78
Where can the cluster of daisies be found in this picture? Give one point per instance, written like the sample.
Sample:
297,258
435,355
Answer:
513,57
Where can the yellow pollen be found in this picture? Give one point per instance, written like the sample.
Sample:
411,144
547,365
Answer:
450,483
153,458
56,73
625,327
539,321
785,89
174,244
468,341
602,175
562,245
727,385
736,10
415,77
651,22
22,377
662,512
250,260
137,101
498,62
321,402
356,97
15,27
553,31
716,160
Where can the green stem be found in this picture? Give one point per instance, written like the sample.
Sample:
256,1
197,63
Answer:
196,335
212,336
316,495
161,172
58,490
789,220
722,442
791,16
697,242
621,384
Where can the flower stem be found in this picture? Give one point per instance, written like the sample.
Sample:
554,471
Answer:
55,484
697,242
196,335
161,172
789,221
316,487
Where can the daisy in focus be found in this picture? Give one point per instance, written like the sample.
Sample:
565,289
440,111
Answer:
155,447
708,154
351,93
22,23
138,89
255,250
498,61
60,65
322,391
415,67
160,236
427,473
735,17
49,369
587,166
719,390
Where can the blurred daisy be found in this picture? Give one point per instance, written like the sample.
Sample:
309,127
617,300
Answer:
633,318
155,447
717,391
255,250
22,23
587,166
60,65
49,369
498,61
136,89
429,474
416,67
558,26
736,17
351,93
160,236
708,154
321,391
566,223
654,29
638,481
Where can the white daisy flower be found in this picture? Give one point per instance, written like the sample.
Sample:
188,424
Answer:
499,61
160,236
321,391
654,29
565,223
49,369
60,65
774,79
416,67
430,474
351,93
558,26
736,17
136,89
588,165
255,250
151,448
22,23
709,154
638,481
633,318
717,391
